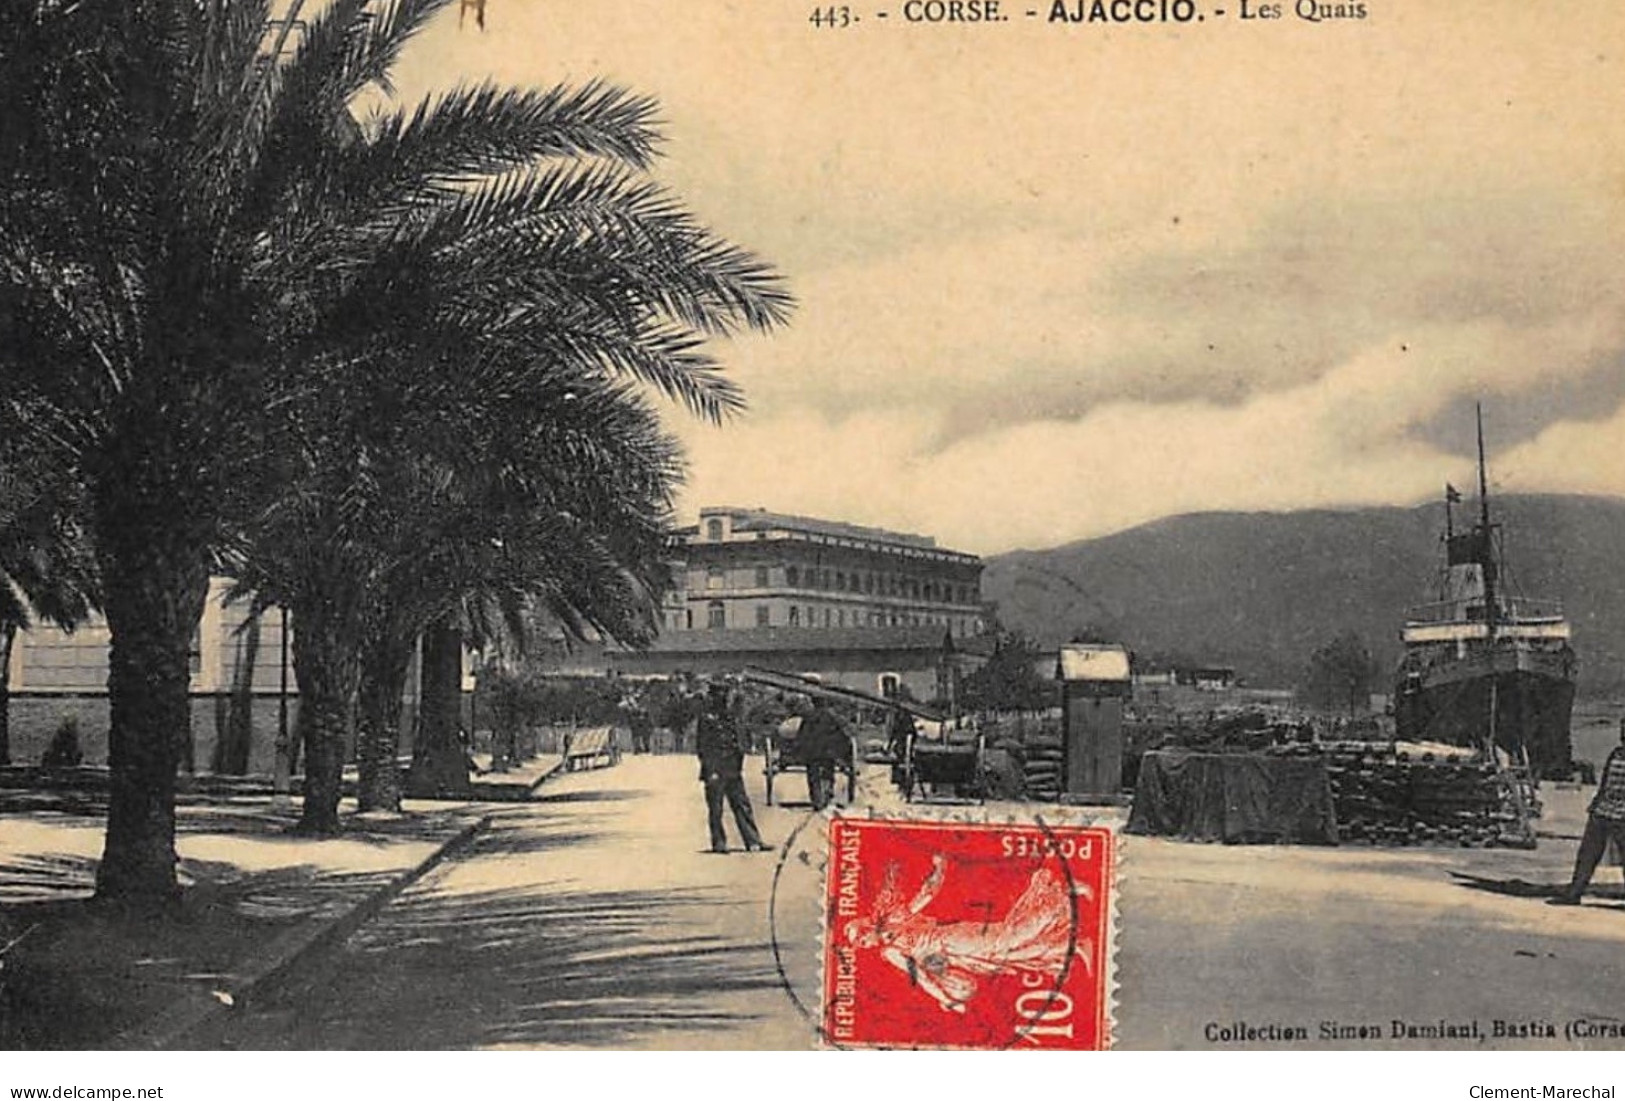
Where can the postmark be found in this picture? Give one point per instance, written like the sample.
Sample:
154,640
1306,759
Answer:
953,934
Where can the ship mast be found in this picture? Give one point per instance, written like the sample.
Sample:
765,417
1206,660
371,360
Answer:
1486,545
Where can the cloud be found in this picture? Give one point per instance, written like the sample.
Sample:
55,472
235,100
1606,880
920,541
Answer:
1573,457
1055,284
986,331
1344,438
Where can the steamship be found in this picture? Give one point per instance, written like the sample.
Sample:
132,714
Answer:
1483,667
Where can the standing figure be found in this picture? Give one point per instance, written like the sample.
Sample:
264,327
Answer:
1605,822
899,729
720,747
638,722
821,742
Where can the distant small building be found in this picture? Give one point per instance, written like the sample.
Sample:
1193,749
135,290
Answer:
1207,679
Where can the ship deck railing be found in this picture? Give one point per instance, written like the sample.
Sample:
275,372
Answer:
1514,609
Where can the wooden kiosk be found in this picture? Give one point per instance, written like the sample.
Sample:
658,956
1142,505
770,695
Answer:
1095,682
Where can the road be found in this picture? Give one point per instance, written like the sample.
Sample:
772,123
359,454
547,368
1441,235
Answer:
596,918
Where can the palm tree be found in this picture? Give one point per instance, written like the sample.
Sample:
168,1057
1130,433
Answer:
574,519
553,485
196,242
45,563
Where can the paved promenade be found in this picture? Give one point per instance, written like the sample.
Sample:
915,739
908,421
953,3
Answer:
593,916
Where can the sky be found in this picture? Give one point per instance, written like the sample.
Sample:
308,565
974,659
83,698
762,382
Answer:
1057,280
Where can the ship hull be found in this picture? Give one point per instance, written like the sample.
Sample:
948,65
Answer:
1525,697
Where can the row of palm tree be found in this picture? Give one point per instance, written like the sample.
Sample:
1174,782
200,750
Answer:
393,372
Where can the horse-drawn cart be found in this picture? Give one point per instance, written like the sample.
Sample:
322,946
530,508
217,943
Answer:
779,755
947,764
780,752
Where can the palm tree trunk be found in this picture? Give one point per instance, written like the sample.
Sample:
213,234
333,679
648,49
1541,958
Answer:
383,680
8,638
155,583
439,767
237,743
327,668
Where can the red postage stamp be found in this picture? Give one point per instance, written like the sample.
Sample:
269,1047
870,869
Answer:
956,935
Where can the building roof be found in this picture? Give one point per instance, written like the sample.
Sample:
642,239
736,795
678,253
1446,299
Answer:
1084,662
816,639
762,524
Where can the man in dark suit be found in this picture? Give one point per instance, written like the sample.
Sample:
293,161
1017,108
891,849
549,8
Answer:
822,742
719,742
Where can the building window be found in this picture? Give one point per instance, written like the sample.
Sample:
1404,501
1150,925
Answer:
716,615
763,616
715,578
889,684
840,618
761,577
868,582
795,616
713,530
688,618
840,582
792,576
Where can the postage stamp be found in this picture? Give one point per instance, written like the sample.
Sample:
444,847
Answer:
948,934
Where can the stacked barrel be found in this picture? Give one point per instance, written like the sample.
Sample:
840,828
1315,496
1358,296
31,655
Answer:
1387,798
1042,763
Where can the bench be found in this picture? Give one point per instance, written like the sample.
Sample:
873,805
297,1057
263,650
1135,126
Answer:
593,747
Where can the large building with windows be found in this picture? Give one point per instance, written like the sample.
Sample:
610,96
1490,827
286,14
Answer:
866,607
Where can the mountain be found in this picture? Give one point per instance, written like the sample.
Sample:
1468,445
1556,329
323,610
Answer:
1261,591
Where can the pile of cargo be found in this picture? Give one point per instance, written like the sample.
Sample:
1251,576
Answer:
1024,755
1041,764
1386,796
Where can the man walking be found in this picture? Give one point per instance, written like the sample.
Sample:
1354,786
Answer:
1605,822
638,722
821,742
718,742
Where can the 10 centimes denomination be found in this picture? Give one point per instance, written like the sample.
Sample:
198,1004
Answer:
947,934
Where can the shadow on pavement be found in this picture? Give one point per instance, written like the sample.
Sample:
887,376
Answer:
37,877
78,974
1522,888
621,795
525,967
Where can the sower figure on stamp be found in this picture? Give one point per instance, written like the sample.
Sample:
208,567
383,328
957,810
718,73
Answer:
949,960
1605,822
821,742
719,743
